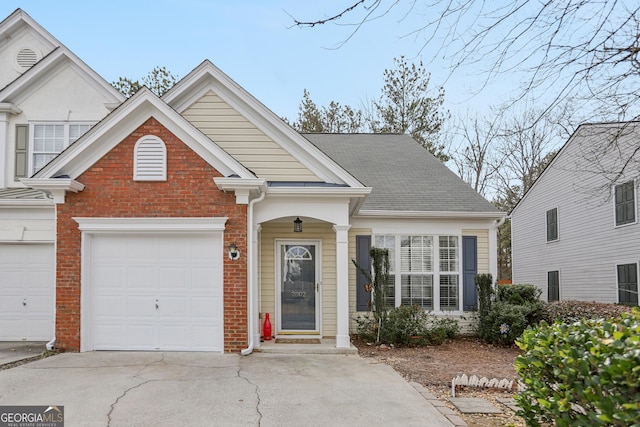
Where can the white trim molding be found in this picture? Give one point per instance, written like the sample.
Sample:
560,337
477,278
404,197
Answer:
56,187
138,224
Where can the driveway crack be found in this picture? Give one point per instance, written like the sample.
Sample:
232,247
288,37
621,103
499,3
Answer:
256,391
137,375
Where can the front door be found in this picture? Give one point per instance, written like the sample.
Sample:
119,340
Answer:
298,282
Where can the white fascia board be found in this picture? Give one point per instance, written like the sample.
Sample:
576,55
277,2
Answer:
151,224
47,66
18,19
104,136
320,191
207,77
431,215
26,203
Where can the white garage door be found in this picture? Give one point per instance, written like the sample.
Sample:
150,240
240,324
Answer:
27,285
156,292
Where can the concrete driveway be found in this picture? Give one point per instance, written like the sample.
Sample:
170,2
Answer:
204,389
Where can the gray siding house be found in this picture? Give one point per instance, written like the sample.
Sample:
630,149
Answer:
575,233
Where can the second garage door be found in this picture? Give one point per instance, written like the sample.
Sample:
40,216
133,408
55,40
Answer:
156,292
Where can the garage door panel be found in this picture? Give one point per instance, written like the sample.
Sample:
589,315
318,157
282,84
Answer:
179,273
26,291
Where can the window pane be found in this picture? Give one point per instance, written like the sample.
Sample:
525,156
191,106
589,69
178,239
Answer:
449,292
387,242
628,284
553,286
76,131
391,292
417,290
448,253
552,224
416,253
625,203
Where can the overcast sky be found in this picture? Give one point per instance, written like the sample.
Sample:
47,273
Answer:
255,43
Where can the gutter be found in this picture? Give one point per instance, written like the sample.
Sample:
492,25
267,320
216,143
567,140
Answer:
251,256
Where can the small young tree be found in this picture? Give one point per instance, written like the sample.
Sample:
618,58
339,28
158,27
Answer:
378,277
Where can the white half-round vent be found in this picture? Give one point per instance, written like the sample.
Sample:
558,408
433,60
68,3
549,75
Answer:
27,58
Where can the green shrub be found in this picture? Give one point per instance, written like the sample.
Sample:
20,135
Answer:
572,311
579,374
519,294
407,326
505,321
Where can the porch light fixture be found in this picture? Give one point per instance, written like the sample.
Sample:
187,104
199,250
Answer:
297,225
234,253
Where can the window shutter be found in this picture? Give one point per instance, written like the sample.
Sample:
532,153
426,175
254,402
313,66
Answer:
363,259
150,159
22,151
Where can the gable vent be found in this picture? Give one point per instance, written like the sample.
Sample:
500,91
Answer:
27,58
150,159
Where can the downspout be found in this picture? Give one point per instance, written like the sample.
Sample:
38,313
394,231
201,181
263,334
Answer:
50,346
251,256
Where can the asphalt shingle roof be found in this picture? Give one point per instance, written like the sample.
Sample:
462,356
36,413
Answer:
404,176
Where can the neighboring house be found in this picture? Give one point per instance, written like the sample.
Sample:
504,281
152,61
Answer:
181,221
48,98
575,235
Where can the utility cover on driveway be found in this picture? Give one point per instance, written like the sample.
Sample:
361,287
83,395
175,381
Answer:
474,405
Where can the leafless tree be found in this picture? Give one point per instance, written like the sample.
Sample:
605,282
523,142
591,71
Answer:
580,52
476,160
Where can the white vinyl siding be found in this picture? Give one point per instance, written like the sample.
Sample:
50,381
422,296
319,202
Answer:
244,141
49,139
591,244
150,159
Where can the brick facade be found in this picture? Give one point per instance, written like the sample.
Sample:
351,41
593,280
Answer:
110,191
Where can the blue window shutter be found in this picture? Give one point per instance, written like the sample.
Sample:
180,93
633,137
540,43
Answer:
469,271
363,259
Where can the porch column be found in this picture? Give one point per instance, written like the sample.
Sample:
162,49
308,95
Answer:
342,288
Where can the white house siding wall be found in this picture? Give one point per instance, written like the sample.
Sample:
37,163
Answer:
244,141
273,231
54,101
589,246
9,49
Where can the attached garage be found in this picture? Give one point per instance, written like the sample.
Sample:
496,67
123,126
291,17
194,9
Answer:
152,290
27,283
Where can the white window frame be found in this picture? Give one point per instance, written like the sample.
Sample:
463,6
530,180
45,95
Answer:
635,203
395,269
66,139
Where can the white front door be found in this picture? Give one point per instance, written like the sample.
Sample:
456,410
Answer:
156,292
27,285
299,287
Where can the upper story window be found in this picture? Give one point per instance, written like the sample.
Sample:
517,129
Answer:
49,139
150,159
552,224
625,202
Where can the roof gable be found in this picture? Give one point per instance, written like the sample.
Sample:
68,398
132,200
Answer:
104,136
590,152
207,78
19,32
404,176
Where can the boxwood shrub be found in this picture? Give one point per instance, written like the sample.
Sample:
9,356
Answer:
586,373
